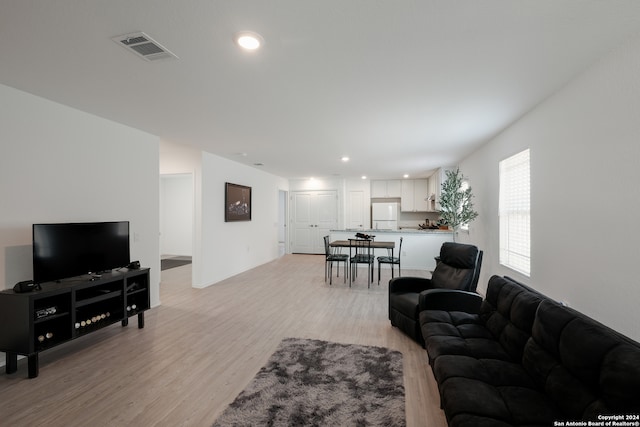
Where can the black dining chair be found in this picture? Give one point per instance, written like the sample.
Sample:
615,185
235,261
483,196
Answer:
330,258
361,252
391,260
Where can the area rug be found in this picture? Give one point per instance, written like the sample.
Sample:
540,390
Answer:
319,383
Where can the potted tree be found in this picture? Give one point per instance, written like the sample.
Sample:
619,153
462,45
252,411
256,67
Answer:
456,207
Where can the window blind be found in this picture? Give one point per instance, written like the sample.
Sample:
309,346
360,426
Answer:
514,213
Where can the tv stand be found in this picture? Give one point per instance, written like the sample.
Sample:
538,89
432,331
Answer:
62,311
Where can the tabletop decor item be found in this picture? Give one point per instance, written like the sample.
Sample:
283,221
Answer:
456,207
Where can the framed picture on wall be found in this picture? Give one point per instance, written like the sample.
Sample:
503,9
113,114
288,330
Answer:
237,202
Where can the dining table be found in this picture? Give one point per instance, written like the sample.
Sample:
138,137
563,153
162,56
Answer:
374,245
389,246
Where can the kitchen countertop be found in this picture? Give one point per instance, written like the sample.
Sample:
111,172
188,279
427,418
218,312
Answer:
419,247
402,230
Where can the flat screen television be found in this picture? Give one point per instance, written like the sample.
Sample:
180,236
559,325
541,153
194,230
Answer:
67,250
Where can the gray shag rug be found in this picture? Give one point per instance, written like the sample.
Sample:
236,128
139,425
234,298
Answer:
320,383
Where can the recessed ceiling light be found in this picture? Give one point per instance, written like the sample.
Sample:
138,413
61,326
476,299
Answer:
364,177
345,158
248,40
406,175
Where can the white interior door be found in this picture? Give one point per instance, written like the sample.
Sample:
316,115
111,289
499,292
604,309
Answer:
313,214
301,222
355,210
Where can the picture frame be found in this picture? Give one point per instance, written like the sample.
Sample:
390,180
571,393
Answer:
237,202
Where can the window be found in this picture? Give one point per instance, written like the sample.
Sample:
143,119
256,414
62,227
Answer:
514,212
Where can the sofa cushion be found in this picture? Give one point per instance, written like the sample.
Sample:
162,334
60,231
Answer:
448,277
500,331
498,384
406,303
585,367
457,267
458,333
472,420
493,371
458,255
508,312
508,404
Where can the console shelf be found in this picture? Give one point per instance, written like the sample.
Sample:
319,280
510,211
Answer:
98,298
62,311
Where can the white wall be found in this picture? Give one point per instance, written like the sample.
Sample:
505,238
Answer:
176,214
230,248
585,194
58,164
222,249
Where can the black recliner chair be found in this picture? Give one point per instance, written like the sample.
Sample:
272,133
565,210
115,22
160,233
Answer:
458,268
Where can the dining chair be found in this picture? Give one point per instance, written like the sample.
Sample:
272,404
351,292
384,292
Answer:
332,256
391,260
361,252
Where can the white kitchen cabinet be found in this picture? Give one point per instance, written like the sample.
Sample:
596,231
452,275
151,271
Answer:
378,188
420,193
407,197
394,188
414,192
434,191
386,188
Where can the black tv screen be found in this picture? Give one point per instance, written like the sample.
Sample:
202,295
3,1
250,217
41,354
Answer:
66,250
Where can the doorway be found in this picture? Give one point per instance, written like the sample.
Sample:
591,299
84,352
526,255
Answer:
313,215
176,220
282,222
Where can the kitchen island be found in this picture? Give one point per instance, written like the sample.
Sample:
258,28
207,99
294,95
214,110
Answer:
419,247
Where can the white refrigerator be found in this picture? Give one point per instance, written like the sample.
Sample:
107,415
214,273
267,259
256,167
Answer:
384,216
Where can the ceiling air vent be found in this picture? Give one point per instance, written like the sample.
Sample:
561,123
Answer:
144,46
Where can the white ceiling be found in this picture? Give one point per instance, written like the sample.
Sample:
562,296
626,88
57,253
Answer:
400,86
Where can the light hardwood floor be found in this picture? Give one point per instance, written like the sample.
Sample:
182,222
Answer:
201,347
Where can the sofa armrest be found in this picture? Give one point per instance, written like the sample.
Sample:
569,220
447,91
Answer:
409,284
450,300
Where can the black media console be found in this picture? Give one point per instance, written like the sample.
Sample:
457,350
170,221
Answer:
71,308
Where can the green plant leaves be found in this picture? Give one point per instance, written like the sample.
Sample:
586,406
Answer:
456,207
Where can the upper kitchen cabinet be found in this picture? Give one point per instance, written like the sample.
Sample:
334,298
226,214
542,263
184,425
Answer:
386,188
414,193
434,191
435,182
